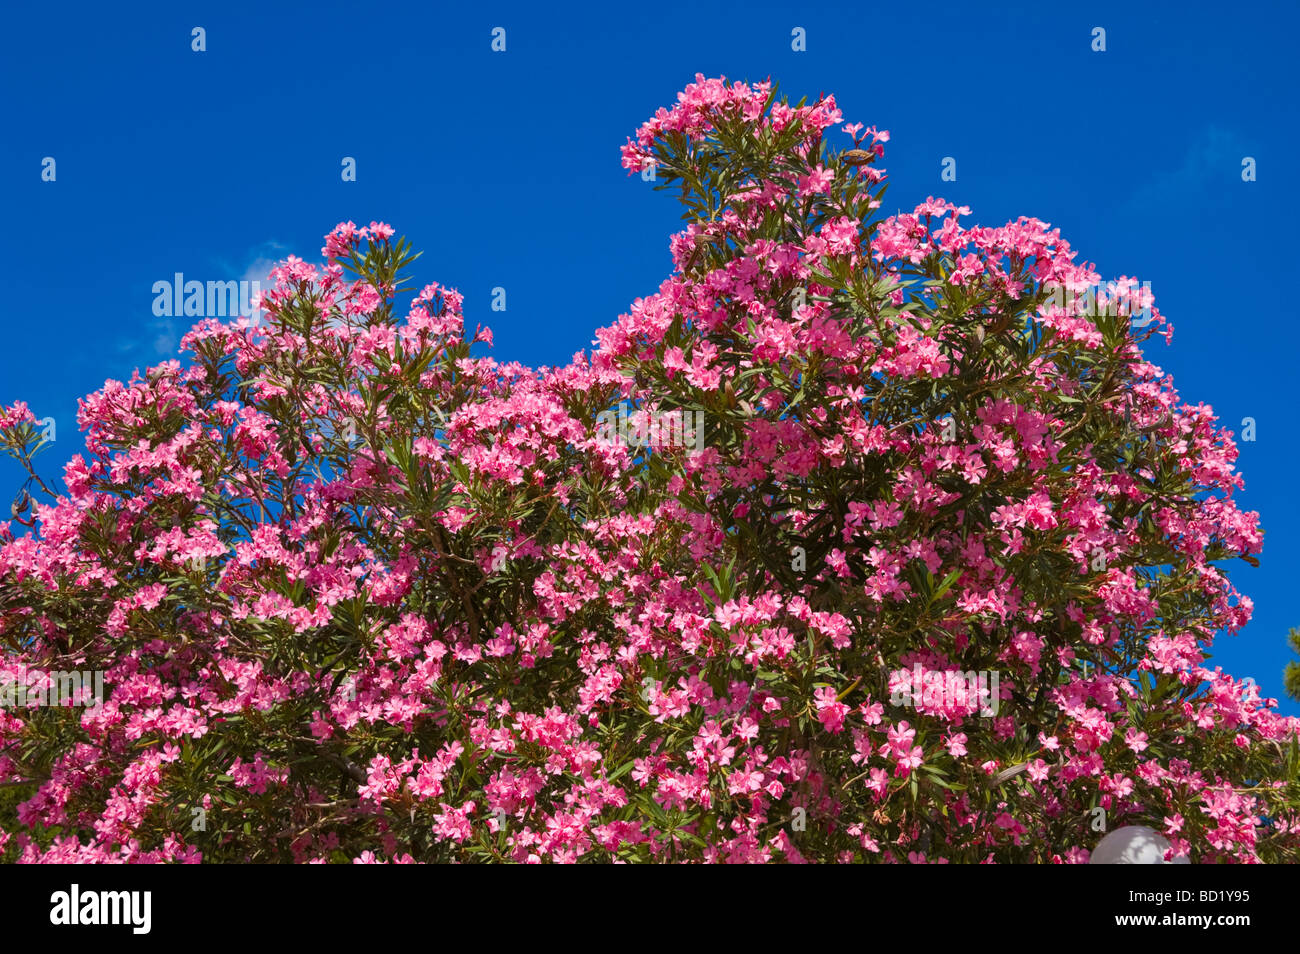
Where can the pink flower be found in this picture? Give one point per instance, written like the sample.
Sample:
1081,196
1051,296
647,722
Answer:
830,711
1135,740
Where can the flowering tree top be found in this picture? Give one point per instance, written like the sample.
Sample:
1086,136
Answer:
934,577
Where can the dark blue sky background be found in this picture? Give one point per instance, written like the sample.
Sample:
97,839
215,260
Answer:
504,168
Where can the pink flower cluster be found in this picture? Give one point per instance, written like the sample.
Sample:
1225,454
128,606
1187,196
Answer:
363,595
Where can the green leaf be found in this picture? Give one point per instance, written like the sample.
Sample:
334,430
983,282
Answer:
945,585
621,770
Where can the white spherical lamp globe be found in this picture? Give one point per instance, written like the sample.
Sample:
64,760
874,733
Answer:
1134,845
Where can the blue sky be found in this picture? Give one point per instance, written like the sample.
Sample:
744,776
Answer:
504,169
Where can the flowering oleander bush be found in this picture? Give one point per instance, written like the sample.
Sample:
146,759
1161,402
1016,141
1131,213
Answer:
362,594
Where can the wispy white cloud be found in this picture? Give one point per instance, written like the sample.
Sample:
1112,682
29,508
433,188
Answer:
259,270
167,331
1210,167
